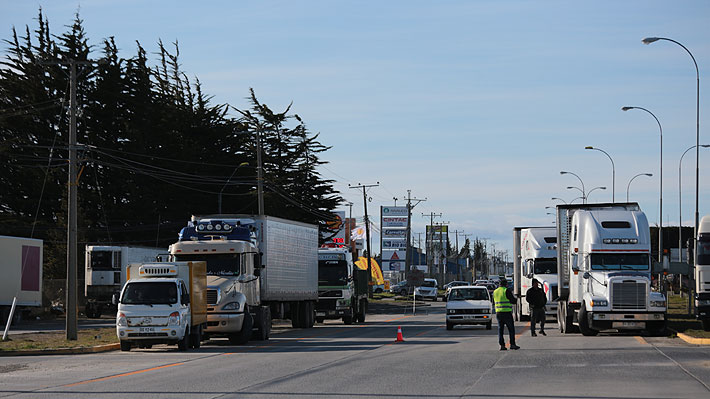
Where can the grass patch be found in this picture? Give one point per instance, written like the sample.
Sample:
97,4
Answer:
679,319
57,340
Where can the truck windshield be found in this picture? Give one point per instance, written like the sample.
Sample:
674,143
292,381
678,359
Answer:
151,293
468,294
545,266
704,251
217,264
101,260
332,272
619,261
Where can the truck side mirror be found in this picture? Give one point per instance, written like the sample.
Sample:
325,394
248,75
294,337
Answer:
257,272
585,275
114,299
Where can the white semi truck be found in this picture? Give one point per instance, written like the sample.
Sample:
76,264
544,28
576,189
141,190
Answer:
105,272
342,287
535,257
702,274
162,303
258,268
605,270
21,265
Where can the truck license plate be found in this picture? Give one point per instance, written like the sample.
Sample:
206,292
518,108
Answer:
147,329
319,314
628,324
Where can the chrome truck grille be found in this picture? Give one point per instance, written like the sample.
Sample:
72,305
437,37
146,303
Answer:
628,295
211,297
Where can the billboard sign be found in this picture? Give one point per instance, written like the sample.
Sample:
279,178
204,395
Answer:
394,221
394,211
394,233
393,243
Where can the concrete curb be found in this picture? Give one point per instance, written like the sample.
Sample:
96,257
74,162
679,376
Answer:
64,351
693,340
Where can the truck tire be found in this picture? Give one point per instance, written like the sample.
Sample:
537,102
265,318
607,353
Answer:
449,326
263,329
184,343
348,318
310,314
242,337
196,338
489,325
125,346
584,322
362,311
296,317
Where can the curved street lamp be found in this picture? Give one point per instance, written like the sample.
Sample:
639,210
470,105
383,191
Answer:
595,188
582,198
219,197
649,40
559,199
680,202
613,171
632,179
660,190
580,180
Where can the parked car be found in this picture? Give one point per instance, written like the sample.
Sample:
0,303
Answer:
428,290
469,305
401,288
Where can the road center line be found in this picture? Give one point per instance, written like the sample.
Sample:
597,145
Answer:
123,374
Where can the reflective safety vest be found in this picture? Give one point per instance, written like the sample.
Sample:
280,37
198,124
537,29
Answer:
502,303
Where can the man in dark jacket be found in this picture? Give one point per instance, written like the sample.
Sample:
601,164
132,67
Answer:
537,299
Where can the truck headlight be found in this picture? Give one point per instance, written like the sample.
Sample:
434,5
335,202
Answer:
174,319
231,306
600,302
658,304
121,320
451,311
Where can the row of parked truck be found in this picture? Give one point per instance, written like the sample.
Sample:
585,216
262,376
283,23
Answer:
226,276
595,267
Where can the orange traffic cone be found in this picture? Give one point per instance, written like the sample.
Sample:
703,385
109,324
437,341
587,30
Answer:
400,338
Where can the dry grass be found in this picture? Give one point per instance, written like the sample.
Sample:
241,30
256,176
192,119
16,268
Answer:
679,319
57,340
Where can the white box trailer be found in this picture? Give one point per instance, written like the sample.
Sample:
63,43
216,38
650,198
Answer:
105,272
21,264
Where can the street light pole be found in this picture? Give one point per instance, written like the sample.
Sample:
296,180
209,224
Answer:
584,197
649,40
680,202
660,190
613,171
632,179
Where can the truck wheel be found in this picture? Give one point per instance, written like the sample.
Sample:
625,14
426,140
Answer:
184,343
348,319
264,324
125,346
310,314
584,323
296,317
363,311
449,326
196,338
242,337
489,325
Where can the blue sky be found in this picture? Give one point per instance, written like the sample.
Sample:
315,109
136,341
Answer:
476,105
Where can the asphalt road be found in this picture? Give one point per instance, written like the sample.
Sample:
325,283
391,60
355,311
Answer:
363,361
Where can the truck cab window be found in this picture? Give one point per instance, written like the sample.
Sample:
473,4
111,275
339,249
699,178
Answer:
545,266
152,293
332,272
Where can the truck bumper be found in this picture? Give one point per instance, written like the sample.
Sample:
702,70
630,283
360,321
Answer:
224,323
151,335
624,321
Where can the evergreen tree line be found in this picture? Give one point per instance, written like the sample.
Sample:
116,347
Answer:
153,149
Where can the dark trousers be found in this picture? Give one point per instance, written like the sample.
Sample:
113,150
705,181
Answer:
505,319
538,315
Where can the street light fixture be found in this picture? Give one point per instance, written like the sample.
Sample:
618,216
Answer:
660,179
613,171
632,179
595,188
559,199
680,202
580,180
219,197
649,40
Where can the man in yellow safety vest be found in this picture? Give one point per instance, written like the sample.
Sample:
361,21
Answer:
504,300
